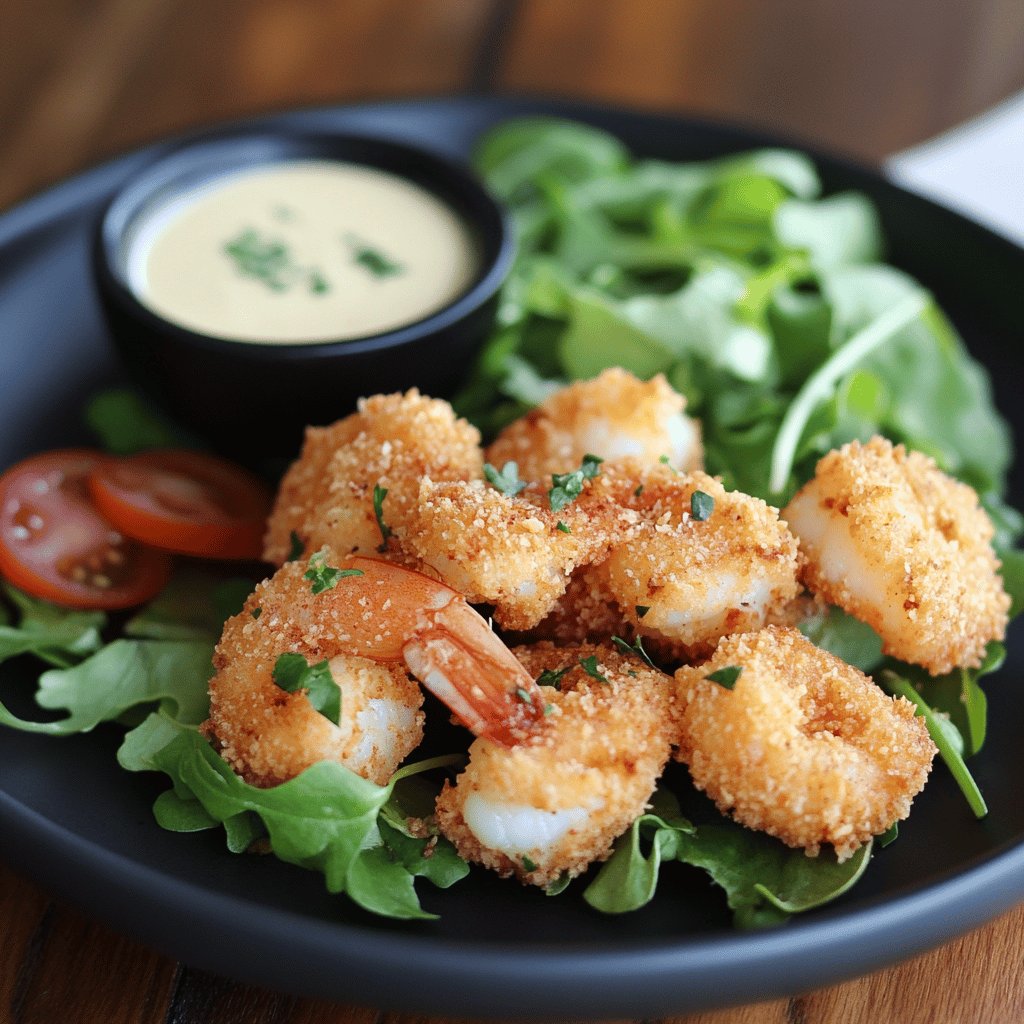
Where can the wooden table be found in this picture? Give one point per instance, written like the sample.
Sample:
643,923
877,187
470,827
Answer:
79,81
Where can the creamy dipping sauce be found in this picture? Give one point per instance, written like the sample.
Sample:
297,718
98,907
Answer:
301,251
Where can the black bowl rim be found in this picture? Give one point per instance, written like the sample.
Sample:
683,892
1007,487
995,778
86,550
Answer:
218,150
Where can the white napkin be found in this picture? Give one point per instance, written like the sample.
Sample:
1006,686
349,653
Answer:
976,168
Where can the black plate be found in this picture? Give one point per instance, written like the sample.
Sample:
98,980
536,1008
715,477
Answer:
70,817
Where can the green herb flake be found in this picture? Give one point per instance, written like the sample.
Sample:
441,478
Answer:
262,258
318,283
553,677
701,506
726,677
256,612
665,461
379,494
323,576
523,695
371,259
506,480
298,547
293,673
548,708
642,610
637,649
639,490
567,487
590,667
529,864
561,527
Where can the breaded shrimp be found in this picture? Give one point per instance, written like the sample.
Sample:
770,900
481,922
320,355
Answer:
364,622
614,416
391,441
901,546
692,581
553,804
506,551
803,747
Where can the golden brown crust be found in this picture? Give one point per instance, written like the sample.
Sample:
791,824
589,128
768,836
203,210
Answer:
601,748
804,747
898,544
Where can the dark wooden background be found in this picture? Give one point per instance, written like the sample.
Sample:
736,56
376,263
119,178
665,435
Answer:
84,79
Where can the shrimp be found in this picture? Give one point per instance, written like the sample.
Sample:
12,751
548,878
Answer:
901,546
390,442
803,747
510,552
552,805
614,416
691,580
368,620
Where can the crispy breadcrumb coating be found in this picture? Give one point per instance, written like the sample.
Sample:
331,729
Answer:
901,546
614,416
393,441
554,804
803,747
511,552
697,579
268,735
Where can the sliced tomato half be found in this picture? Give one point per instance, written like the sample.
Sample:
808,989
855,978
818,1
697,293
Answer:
54,544
186,502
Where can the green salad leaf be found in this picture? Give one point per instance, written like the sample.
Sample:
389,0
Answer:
60,636
126,424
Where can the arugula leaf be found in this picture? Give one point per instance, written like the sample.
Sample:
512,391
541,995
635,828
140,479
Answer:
567,487
120,676
126,424
293,673
193,606
507,481
945,736
60,636
847,638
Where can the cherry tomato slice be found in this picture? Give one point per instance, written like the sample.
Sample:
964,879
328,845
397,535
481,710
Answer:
182,501
54,544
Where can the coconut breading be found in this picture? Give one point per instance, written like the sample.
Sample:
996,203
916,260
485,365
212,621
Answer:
905,548
268,735
554,804
615,416
391,441
510,552
803,747
699,580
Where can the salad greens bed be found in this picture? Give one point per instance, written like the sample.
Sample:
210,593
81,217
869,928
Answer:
764,304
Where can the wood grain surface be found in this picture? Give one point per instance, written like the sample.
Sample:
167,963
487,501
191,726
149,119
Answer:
83,79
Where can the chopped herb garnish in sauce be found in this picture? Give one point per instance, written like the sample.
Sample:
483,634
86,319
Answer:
293,673
701,506
725,676
590,667
506,480
269,260
569,486
372,259
379,494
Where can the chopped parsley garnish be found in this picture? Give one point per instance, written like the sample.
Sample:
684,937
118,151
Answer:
701,506
293,673
637,649
506,480
553,677
528,864
642,610
725,676
379,494
256,612
639,490
590,667
268,260
324,576
665,461
372,259
523,695
297,547
562,527
548,708
568,487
